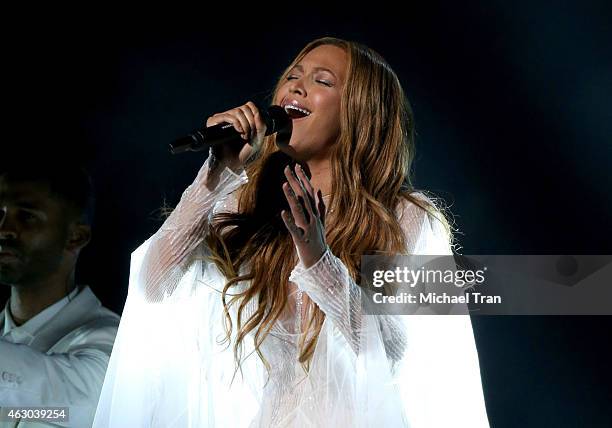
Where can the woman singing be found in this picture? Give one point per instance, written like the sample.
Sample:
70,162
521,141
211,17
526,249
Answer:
245,308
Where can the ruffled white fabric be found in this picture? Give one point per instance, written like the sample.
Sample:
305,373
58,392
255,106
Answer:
169,369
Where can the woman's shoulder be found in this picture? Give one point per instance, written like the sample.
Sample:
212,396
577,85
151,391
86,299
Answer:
415,204
419,208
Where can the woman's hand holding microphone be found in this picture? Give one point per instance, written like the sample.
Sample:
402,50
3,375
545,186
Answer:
246,120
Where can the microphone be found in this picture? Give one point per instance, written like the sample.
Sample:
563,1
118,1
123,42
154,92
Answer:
275,118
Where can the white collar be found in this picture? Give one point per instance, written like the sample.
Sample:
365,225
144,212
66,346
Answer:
30,327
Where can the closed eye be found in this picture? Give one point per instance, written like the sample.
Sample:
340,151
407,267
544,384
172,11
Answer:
323,82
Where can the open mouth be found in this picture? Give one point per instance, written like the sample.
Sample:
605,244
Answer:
295,112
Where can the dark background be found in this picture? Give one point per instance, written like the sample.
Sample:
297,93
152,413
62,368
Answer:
513,111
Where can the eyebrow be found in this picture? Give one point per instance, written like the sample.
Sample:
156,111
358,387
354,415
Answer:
299,67
28,205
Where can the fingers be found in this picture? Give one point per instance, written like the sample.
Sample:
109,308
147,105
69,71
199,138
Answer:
298,188
258,123
296,206
305,211
234,117
310,193
297,232
248,115
245,119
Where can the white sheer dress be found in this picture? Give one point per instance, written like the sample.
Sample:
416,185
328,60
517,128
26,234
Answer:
169,369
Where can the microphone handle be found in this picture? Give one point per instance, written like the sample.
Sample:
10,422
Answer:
198,140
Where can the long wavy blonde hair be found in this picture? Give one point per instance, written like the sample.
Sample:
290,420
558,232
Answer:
371,166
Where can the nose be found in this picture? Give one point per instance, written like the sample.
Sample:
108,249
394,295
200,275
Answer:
297,87
6,231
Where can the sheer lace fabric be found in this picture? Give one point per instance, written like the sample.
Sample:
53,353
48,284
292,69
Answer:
170,369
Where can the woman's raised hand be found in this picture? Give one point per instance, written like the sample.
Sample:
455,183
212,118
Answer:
306,221
246,120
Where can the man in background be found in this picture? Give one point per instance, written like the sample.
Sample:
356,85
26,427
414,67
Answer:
55,336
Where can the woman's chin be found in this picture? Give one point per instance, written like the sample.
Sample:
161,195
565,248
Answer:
287,146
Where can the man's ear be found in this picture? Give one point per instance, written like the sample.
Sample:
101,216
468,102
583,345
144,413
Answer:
79,236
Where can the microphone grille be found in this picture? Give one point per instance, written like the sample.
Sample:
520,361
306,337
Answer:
276,119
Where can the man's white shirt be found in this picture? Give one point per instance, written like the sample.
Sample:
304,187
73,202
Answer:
58,358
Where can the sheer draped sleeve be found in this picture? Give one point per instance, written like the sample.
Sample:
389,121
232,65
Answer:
168,367
168,255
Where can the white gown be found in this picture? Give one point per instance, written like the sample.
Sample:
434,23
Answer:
169,369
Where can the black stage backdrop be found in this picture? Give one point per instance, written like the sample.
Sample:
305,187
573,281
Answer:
513,106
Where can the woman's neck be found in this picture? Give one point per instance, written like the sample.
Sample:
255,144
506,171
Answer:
320,176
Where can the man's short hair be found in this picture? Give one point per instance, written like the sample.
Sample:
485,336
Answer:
69,182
